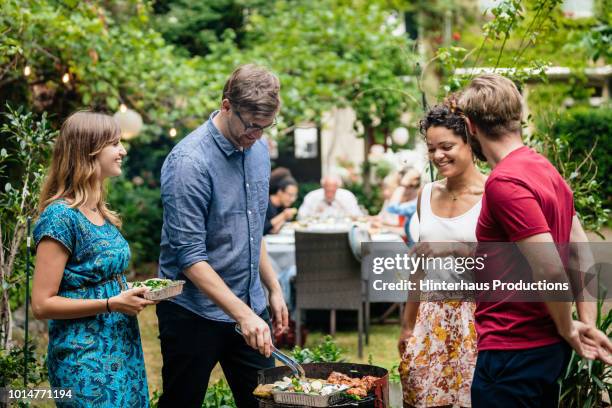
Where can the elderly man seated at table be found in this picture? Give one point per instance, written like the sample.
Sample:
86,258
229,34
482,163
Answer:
330,201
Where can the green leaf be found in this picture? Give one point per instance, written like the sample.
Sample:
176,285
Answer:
600,384
112,103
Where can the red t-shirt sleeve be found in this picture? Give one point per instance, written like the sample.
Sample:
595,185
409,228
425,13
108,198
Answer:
516,209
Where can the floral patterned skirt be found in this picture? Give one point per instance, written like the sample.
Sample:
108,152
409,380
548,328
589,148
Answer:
438,364
100,359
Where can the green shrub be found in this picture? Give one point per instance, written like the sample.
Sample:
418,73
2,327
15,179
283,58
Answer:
372,200
582,128
325,352
141,211
12,365
218,395
303,189
25,146
394,375
154,402
577,159
587,383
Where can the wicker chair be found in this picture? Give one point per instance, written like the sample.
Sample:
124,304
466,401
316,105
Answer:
328,278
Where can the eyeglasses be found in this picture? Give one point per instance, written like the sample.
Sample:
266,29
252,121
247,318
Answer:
251,128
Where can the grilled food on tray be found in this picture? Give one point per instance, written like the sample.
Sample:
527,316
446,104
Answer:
358,386
336,382
264,390
304,385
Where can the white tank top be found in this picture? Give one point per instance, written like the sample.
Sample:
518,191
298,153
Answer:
432,228
436,229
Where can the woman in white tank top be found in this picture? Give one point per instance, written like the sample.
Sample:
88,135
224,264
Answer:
438,339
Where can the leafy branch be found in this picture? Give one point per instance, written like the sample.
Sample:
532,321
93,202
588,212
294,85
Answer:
29,142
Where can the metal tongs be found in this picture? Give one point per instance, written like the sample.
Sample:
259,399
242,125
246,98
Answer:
297,369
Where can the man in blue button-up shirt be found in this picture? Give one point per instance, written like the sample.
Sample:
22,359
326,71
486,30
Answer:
214,188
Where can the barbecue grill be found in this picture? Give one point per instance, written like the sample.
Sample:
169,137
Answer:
377,398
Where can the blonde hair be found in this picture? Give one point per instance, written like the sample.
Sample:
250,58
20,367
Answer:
494,104
73,173
253,89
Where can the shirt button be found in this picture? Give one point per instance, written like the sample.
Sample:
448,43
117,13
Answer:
251,238
249,212
247,185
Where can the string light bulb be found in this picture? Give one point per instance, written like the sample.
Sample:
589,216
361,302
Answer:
27,70
129,121
66,78
172,132
400,136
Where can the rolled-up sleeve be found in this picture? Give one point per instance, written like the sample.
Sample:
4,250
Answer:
186,195
516,208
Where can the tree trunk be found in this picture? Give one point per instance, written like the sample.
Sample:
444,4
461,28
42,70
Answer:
369,141
8,257
5,320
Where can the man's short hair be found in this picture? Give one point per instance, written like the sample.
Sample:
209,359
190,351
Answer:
253,89
494,104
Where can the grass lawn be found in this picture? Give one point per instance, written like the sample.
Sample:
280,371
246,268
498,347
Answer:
382,350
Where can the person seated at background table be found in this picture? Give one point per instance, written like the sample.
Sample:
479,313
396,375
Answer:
404,198
279,173
283,194
330,201
385,221
402,202
397,196
384,218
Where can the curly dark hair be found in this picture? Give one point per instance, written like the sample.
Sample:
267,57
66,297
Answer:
446,115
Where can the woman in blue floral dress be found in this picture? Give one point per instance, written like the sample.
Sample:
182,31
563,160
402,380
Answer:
94,341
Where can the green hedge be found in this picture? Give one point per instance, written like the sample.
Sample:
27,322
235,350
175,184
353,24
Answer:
582,128
141,211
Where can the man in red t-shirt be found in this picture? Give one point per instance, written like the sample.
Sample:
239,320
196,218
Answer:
523,347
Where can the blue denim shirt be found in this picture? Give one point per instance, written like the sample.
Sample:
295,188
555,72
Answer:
215,199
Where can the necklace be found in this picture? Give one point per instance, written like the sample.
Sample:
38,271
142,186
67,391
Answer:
455,196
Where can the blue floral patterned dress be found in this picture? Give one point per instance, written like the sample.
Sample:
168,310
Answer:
99,357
